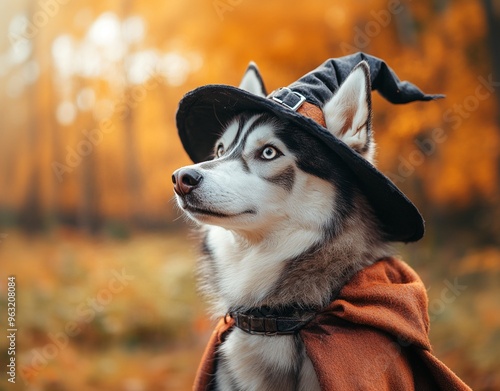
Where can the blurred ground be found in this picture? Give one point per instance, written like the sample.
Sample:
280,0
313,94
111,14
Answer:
147,335
146,330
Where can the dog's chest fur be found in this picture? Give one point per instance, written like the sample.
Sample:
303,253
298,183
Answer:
252,362
292,267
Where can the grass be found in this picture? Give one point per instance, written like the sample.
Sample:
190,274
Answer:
110,314
143,332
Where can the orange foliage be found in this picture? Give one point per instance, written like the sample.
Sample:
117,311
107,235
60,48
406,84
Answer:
486,260
199,44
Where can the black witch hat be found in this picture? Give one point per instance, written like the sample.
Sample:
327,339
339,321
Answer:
203,112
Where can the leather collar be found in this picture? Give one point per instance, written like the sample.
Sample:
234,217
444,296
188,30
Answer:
268,321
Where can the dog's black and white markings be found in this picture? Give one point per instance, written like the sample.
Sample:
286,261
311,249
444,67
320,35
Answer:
285,178
283,223
311,230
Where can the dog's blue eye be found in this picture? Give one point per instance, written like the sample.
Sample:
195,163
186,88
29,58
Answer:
220,151
269,153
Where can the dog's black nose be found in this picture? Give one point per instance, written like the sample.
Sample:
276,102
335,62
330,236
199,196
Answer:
185,180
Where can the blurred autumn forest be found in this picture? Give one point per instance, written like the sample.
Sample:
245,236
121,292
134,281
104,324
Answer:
90,93
88,143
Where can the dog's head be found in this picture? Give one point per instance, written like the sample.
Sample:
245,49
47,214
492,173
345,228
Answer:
267,172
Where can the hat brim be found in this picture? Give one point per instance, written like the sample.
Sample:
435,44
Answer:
204,112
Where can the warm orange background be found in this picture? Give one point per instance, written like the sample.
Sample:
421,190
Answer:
88,142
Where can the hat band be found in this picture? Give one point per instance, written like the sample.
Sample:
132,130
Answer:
314,112
297,102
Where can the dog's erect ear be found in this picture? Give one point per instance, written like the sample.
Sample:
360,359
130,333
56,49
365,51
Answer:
348,113
252,81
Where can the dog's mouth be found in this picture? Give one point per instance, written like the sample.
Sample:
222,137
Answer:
197,211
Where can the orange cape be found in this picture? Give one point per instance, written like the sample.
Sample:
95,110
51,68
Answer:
373,336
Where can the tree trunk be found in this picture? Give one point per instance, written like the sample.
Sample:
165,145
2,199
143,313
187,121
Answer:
132,166
134,182
405,25
57,154
31,210
88,214
492,8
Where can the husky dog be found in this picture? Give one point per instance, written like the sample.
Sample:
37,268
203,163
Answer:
297,224
275,208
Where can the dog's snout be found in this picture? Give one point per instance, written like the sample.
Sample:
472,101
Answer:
185,180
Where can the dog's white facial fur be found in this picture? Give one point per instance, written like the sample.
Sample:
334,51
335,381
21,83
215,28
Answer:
270,193
274,208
